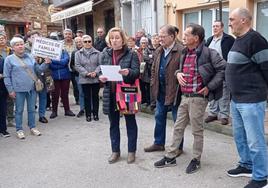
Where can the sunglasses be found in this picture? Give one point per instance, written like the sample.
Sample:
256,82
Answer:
87,41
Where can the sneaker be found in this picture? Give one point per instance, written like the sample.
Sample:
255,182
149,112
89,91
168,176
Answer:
193,166
257,184
20,134
5,134
154,147
210,119
240,172
80,113
165,162
35,132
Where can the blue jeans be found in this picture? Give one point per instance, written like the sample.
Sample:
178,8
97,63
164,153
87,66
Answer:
42,102
161,122
81,94
30,98
248,130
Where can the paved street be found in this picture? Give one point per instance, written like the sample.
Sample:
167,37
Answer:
73,153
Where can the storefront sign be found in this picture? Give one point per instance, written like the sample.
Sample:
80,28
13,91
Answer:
47,48
73,11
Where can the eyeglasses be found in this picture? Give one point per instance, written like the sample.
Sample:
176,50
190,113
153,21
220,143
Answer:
87,41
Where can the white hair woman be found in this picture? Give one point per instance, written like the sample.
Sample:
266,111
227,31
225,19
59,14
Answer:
19,71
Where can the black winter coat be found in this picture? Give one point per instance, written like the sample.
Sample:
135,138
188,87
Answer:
3,90
129,60
211,67
227,42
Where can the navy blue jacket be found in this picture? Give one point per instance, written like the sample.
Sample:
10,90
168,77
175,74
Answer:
226,44
60,69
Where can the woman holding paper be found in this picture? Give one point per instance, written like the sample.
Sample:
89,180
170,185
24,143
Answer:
119,54
87,64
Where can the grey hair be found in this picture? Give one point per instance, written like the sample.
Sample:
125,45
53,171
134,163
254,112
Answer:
15,40
86,36
244,13
67,30
144,39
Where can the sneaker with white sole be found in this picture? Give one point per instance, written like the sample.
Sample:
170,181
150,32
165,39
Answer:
35,132
240,172
20,134
5,134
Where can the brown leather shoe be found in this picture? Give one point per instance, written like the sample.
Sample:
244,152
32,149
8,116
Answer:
178,152
131,157
224,121
114,157
154,147
210,119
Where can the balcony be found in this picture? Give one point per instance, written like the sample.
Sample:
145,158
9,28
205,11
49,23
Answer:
12,3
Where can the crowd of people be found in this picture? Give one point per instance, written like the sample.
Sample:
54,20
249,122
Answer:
174,76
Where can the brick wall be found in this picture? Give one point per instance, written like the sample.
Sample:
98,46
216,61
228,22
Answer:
32,10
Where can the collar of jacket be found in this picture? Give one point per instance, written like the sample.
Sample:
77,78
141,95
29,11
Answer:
175,48
198,49
125,48
91,51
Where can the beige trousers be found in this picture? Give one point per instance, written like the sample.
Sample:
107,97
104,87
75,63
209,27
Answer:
191,111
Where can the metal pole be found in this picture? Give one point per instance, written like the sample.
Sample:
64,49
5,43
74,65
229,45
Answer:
220,10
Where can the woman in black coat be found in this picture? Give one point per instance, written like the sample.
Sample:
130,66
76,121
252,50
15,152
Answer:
119,54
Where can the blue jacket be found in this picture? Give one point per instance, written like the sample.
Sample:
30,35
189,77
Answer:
60,69
15,76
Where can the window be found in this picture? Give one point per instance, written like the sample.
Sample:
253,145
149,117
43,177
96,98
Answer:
206,17
206,22
262,18
190,18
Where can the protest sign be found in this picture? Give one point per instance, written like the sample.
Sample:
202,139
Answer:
47,48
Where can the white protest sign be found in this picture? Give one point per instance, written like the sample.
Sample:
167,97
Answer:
47,48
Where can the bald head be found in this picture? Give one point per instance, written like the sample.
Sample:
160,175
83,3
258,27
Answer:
240,21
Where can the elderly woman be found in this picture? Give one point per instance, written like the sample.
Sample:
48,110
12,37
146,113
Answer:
119,54
146,62
87,64
19,71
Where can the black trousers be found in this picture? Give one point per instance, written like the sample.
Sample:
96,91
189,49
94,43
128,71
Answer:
75,88
145,92
3,111
91,97
131,124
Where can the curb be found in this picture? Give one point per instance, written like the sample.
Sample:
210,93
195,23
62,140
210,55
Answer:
213,126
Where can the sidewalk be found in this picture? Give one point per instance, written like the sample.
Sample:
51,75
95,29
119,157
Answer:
216,126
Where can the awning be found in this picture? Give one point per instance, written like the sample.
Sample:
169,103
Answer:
73,11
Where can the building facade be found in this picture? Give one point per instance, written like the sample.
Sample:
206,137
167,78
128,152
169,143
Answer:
97,13
21,16
204,12
142,14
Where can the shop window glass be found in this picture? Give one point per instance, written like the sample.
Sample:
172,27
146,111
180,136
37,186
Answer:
262,18
206,22
190,18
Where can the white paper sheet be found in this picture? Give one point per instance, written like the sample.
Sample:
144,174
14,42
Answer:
111,72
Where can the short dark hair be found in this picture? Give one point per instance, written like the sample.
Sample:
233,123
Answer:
197,30
222,24
176,29
170,29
